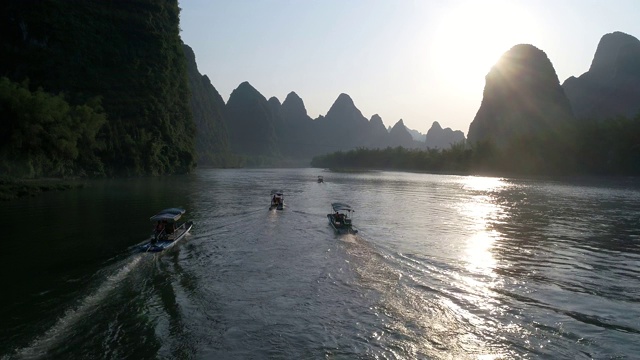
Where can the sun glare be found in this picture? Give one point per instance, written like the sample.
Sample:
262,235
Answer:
472,36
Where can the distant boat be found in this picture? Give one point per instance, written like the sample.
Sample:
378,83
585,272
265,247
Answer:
340,218
277,200
320,179
167,230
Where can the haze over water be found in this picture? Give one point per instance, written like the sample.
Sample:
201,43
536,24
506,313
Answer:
443,267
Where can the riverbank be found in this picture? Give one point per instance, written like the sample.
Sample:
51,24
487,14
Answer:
11,189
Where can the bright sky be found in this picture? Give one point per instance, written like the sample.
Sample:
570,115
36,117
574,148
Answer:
417,60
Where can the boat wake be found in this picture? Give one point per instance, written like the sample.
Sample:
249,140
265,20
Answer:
348,238
89,304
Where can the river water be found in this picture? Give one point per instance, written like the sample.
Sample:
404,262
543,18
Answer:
443,267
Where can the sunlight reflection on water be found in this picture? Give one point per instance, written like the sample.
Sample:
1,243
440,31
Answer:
444,267
482,210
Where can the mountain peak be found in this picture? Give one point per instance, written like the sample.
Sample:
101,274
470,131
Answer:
344,110
611,87
522,95
293,108
376,120
400,136
246,88
292,96
439,138
344,98
609,48
274,100
294,103
245,84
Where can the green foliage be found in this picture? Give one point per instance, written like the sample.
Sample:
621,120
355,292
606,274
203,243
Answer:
43,135
127,53
610,147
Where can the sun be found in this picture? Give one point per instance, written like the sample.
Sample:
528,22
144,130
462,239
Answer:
472,35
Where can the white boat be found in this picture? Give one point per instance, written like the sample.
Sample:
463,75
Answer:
277,200
168,231
340,218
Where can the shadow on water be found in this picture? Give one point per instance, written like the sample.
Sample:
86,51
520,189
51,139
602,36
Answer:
136,312
69,251
89,306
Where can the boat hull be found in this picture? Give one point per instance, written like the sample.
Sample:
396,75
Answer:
277,207
341,228
165,244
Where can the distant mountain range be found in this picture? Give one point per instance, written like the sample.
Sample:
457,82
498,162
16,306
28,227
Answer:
255,126
260,127
522,95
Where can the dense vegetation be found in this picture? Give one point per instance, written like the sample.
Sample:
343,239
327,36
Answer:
43,135
609,147
128,54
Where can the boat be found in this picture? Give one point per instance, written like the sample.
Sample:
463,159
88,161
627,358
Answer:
340,218
320,179
277,200
168,231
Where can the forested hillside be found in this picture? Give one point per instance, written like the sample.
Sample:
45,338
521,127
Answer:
118,66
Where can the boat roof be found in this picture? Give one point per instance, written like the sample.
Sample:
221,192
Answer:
338,206
277,192
170,214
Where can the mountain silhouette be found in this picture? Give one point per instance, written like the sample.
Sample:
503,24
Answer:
522,95
208,109
611,87
297,132
439,138
399,136
250,121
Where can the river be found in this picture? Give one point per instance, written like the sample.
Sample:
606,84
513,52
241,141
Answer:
443,267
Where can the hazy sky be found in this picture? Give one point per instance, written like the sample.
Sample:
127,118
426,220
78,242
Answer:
417,60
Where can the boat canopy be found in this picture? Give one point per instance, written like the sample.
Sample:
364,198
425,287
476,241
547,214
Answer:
277,192
338,206
170,215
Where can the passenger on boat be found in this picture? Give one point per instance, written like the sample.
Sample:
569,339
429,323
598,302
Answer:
159,227
170,228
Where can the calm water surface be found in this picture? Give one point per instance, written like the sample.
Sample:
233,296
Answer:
444,267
